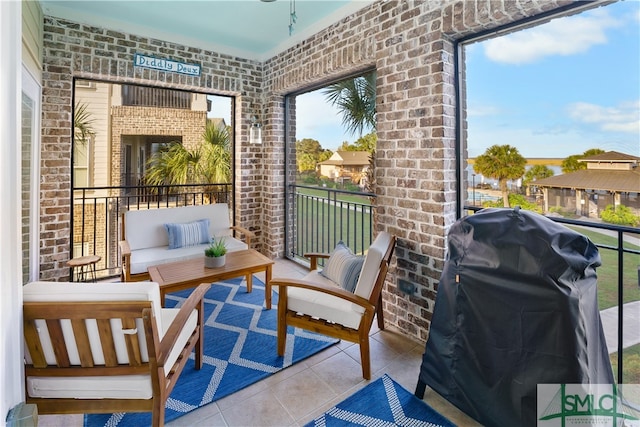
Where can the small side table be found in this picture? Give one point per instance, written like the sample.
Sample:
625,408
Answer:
85,267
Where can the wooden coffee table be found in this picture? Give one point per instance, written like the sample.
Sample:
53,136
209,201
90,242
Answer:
179,275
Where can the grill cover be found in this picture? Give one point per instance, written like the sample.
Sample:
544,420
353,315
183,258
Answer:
516,307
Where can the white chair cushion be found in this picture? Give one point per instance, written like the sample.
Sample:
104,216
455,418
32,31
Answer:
115,387
371,266
73,291
123,386
323,306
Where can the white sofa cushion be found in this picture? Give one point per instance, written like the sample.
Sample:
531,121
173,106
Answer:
123,386
142,259
145,228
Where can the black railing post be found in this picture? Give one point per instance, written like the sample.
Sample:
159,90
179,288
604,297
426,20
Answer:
620,304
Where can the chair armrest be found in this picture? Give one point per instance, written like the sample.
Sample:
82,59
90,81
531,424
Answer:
318,287
170,338
248,235
313,258
125,253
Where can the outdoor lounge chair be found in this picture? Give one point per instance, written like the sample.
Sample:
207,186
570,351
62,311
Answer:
107,347
318,304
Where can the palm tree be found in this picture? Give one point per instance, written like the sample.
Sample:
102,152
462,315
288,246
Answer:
216,153
356,100
501,162
82,124
535,173
208,163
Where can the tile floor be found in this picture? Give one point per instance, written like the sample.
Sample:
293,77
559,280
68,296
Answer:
298,394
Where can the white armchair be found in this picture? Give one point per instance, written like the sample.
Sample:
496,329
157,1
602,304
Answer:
318,304
107,347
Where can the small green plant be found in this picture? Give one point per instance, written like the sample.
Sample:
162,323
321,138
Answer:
217,248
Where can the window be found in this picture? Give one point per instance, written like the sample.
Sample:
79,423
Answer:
82,163
565,87
30,177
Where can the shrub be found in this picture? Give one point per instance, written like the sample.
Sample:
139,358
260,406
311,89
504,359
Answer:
514,200
620,215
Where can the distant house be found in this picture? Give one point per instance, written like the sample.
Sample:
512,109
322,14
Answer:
610,178
346,165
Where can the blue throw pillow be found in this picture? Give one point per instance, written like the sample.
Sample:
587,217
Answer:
188,234
343,267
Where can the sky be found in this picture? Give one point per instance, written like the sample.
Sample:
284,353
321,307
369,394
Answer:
560,88
551,91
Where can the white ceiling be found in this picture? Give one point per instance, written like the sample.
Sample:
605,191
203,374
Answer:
251,29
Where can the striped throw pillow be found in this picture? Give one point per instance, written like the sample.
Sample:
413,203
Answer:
188,234
343,267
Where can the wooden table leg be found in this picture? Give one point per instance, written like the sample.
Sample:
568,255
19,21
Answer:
267,287
249,282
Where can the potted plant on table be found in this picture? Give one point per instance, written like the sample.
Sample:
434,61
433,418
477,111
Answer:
214,255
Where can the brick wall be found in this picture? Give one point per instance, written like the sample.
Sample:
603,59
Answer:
76,50
187,124
409,43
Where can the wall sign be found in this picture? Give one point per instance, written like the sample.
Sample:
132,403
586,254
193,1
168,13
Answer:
144,61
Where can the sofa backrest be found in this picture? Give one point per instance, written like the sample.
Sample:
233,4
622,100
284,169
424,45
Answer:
59,292
145,228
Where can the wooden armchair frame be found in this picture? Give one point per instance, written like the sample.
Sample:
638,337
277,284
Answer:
163,377
371,306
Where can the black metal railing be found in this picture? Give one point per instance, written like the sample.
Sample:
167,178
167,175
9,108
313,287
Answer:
321,217
622,235
318,219
97,212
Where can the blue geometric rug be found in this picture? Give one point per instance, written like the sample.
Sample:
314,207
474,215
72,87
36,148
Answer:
239,350
382,403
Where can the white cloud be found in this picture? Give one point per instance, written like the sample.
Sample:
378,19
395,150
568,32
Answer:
482,110
562,36
624,117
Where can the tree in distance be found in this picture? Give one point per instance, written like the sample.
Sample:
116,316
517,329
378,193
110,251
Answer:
503,163
573,163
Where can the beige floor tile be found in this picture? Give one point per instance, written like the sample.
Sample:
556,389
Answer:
68,420
302,393
208,415
340,372
259,410
240,396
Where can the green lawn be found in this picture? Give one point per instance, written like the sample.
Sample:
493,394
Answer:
608,272
630,364
321,224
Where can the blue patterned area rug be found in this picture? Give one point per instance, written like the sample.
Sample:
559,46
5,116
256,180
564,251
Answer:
240,349
383,403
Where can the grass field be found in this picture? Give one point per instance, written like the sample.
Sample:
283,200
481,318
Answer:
608,272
